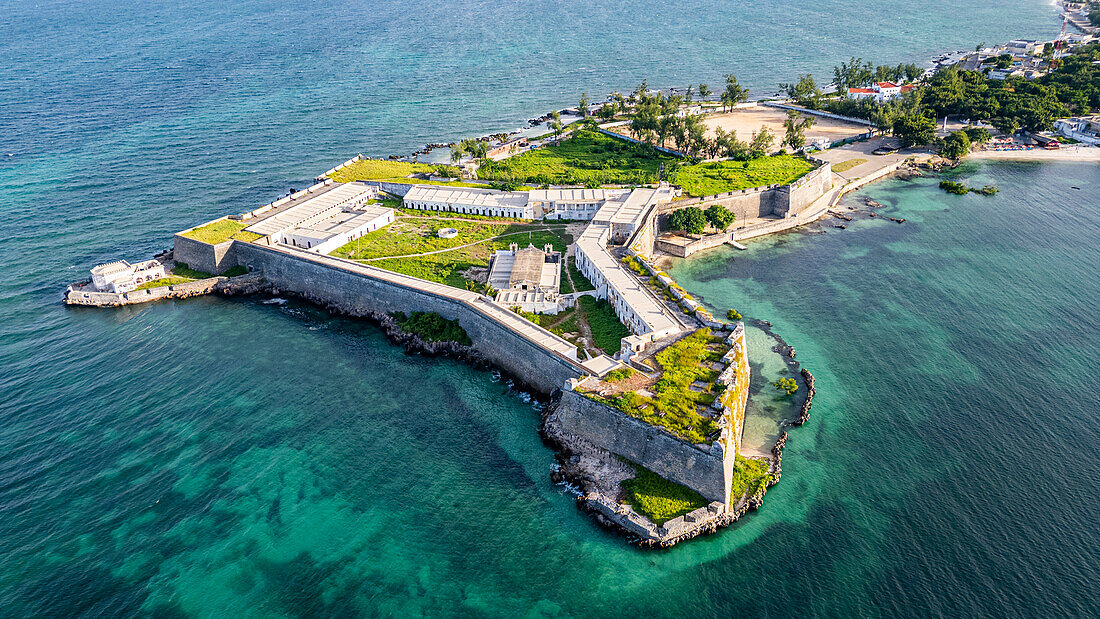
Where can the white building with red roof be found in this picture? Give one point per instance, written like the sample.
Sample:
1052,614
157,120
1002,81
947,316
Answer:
881,91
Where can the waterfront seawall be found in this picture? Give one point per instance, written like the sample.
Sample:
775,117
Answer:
352,289
702,468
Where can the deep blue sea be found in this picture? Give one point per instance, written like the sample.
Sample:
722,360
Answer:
214,457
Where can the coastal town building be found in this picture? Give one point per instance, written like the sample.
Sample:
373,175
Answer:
469,200
527,278
881,91
121,276
1082,128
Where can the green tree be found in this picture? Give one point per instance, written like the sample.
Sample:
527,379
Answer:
956,145
789,385
915,129
733,314
734,92
582,106
761,143
556,125
688,94
704,92
719,216
796,126
690,220
804,92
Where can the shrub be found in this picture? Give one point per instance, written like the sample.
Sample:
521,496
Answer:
733,314
432,327
955,188
620,374
788,385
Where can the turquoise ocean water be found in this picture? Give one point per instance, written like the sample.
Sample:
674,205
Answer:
233,457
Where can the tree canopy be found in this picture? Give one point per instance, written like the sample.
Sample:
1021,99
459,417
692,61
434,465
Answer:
690,220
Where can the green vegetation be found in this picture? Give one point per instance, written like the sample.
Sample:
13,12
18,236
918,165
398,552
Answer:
635,265
580,282
411,212
914,129
410,235
164,281
378,169
955,188
674,406
607,331
961,189
844,166
657,498
733,314
181,269
620,374
796,126
750,476
719,217
390,247
956,145
432,327
1073,86
788,385
586,157
220,231
690,220
709,178
235,271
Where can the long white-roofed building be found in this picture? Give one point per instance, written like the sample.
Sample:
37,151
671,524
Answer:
572,203
323,222
635,305
469,201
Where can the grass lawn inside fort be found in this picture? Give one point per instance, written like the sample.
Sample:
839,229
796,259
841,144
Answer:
584,158
713,177
222,230
462,259
657,498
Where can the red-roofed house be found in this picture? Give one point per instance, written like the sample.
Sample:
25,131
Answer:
880,91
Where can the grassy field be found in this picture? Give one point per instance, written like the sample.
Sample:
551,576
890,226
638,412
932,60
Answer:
164,281
844,166
607,331
222,230
674,406
585,157
706,179
379,169
413,235
580,282
456,267
659,499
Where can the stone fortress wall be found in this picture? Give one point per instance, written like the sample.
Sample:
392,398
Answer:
769,201
699,467
707,469
351,288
